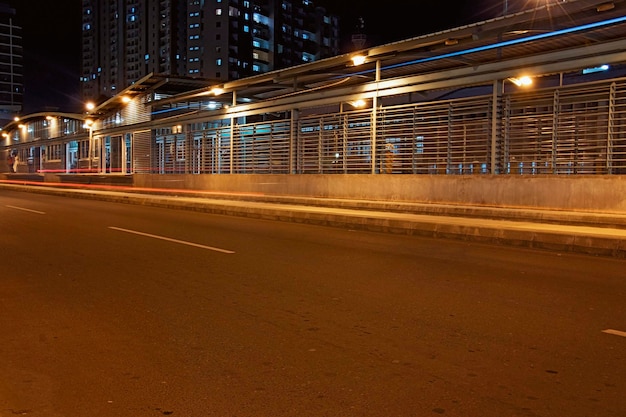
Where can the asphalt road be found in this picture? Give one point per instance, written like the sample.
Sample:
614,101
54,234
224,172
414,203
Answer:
120,310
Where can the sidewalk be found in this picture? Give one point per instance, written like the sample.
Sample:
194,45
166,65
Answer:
601,234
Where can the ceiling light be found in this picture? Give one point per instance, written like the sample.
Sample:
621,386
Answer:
523,81
358,59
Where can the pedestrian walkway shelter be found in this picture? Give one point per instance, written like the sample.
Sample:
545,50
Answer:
539,93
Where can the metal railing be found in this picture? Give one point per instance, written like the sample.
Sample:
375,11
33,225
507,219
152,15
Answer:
566,130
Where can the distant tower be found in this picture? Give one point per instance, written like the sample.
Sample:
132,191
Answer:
12,71
359,38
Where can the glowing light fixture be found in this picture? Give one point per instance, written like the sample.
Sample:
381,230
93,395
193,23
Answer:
90,106
358,103
523,81
596,69
358,59
216,91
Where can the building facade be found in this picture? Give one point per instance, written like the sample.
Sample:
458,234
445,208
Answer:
11,65
218,40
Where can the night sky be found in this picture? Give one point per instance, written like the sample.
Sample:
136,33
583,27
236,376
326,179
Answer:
51,31
52,37
390,21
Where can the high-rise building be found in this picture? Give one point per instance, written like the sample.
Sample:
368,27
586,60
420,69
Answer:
219,40
11,65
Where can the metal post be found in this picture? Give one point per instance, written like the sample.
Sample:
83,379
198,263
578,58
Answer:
498,87
373,118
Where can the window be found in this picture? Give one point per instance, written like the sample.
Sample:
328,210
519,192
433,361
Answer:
54,152
83,149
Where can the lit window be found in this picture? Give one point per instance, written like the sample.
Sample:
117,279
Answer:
218,12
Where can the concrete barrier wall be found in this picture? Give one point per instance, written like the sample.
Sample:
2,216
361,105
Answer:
584,193
601,193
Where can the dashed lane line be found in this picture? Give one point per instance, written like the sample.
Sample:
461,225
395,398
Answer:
25,209
183,242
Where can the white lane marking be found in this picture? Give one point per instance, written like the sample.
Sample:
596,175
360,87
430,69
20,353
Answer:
615,332
25,209
172,240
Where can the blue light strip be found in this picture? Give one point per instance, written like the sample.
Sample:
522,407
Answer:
502,44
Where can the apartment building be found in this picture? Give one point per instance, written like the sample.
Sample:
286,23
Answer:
11,65
218,40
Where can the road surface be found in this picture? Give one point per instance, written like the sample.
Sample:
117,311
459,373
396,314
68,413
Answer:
121,310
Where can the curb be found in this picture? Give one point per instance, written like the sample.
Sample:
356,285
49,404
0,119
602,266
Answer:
512,229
